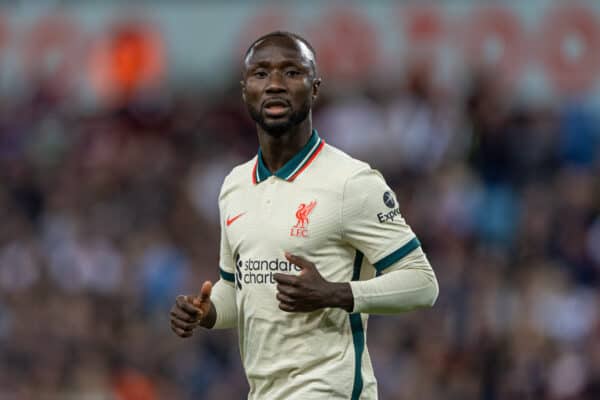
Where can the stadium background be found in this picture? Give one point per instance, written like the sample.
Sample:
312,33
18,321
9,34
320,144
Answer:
118,124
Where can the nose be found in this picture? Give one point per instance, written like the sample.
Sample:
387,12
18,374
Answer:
276,83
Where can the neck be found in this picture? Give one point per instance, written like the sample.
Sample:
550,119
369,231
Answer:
278,150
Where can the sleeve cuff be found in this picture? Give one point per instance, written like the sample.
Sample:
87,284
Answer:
356,288
228,276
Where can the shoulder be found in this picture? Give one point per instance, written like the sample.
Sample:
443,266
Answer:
354,179
341,167
239,177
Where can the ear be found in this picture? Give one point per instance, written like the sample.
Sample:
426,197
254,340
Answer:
316,87
243,84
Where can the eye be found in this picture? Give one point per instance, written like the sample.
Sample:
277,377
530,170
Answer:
260,74
292,73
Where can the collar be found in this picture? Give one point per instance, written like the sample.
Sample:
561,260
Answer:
294,166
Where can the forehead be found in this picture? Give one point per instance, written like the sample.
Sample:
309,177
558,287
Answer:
279,49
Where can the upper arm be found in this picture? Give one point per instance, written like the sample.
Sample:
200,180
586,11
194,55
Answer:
371,220
226,262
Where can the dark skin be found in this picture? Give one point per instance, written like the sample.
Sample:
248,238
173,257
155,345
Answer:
309,291
280,70
279,87
190,312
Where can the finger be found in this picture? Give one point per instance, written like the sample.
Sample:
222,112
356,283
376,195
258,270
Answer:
179,329
186,320
195,302
184,304
299,261
284,298
180,300
182,315
180,332
285,279
286,307
186,326
288,290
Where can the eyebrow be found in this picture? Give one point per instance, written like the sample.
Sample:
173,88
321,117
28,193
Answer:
286,63
307,67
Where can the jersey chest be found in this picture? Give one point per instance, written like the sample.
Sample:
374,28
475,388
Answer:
278,216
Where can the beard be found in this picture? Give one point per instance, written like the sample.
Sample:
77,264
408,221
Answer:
279,126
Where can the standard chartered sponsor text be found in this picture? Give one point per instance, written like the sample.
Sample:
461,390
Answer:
258,271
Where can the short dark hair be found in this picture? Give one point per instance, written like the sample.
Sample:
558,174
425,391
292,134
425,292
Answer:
286,34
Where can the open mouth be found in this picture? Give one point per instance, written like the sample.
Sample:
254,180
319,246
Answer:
276,108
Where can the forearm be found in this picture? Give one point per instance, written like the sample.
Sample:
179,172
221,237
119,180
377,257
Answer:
223,313
410,284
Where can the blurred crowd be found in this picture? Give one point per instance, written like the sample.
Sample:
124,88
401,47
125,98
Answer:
108,214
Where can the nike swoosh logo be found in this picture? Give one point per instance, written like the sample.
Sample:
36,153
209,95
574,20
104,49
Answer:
233,219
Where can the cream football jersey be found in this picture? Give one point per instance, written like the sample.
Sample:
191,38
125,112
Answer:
334,211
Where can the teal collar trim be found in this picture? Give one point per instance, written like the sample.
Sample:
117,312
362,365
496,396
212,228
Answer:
294,166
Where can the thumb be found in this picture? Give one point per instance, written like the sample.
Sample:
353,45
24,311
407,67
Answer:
204,294
205,291
299,261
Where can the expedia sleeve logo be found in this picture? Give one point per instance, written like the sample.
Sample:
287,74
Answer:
388,199
390,202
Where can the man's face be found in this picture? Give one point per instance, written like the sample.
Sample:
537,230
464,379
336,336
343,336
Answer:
279,85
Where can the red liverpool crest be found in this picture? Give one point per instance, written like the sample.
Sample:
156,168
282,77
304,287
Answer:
301,229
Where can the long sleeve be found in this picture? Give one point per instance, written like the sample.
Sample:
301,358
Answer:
373,224
223,294
223,298
406,285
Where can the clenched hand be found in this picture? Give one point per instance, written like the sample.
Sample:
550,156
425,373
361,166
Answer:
192,311
309,291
